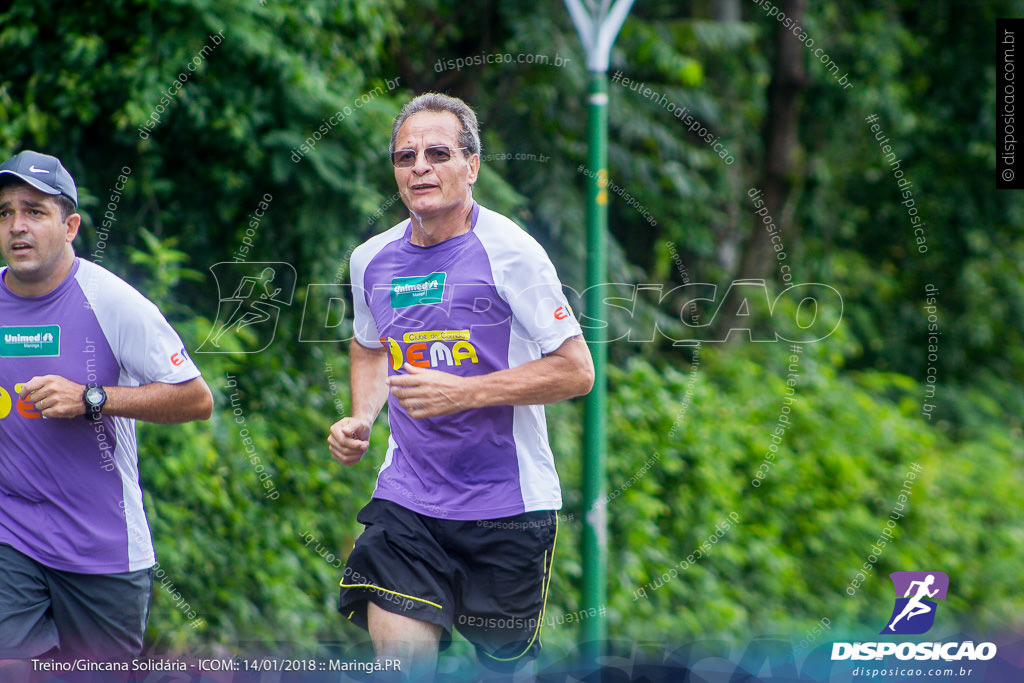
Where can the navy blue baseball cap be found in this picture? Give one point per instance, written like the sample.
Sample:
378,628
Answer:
43,172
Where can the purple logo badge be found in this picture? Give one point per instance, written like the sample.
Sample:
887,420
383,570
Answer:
914,612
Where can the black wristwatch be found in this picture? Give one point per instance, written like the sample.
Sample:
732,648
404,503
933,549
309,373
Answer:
94,397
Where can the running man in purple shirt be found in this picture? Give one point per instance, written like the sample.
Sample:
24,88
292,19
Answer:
462,328
82,356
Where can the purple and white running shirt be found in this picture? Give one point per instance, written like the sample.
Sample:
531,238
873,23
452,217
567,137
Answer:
69,487
484,301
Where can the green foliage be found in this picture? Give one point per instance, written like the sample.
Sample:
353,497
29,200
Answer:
164,262
687,441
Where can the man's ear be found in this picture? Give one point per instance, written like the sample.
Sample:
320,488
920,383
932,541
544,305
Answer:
72,224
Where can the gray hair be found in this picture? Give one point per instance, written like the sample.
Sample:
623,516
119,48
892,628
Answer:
469,136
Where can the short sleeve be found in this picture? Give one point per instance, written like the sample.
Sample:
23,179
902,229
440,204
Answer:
364,326
145,345
526,279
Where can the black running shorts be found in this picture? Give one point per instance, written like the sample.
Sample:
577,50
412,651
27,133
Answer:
488,578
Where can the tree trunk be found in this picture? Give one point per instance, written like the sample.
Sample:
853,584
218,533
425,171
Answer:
727,10
789,79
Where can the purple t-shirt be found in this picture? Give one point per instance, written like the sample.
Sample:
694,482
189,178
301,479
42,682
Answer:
484,301
69,488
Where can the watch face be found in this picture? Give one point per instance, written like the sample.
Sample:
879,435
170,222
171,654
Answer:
93,396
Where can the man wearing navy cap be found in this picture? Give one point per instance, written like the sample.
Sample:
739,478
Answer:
82,356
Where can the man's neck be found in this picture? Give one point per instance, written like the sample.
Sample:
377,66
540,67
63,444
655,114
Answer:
430,231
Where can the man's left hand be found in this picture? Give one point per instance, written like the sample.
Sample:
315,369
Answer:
429,393
54,396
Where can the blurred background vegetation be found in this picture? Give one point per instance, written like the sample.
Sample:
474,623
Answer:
79,80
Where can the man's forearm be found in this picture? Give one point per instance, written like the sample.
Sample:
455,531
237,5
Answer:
548,380
369,372
161,403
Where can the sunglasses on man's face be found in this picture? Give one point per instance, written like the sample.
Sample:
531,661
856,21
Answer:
404,158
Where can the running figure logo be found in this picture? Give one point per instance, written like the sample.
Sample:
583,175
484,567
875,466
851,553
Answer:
258,290
914,612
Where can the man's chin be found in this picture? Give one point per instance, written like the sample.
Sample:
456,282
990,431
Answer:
420,214
18,271
25,273
427,210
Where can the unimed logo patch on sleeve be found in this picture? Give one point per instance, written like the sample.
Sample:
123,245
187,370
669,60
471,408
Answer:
20,341
422,289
